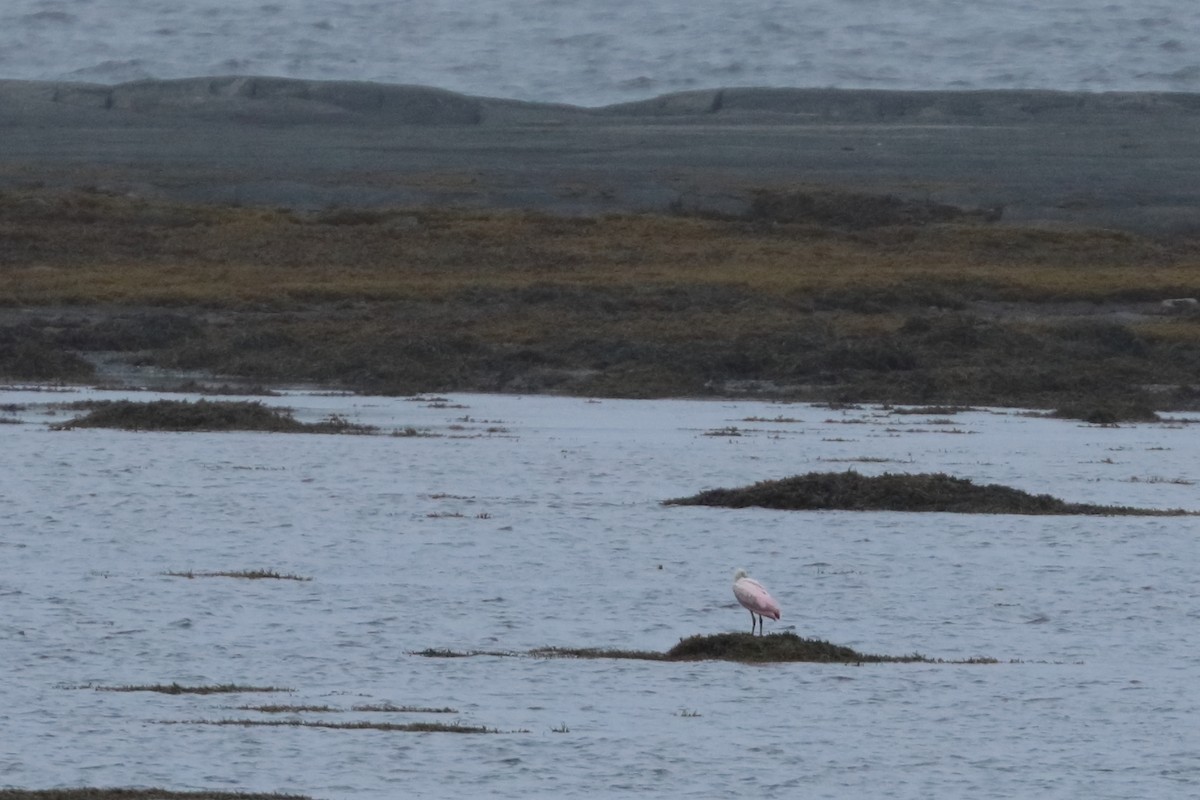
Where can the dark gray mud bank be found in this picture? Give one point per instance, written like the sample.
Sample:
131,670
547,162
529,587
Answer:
1127,160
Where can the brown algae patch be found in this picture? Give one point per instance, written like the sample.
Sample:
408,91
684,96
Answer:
850,491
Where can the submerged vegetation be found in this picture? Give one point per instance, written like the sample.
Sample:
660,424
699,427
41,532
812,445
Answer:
815,296
851,491
740,647
202,415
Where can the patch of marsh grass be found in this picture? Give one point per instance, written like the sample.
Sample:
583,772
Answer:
193,386
729,431
289,709
740,647
595,652
249,574
860,459
442,652
410,432
931,411
388,708
175,688
404,727
924,492
202,415
776,647
1157,479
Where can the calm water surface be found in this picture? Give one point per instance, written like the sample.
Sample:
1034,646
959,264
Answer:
524,522
590,54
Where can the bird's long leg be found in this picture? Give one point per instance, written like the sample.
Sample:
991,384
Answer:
751,623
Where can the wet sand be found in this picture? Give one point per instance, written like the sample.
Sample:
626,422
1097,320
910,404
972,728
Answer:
1120,160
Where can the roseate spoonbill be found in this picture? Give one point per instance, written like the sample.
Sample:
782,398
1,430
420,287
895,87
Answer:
755,598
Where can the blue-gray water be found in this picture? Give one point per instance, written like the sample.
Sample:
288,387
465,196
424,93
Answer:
590,53
523,522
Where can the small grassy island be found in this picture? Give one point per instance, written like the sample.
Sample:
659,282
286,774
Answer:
202,415
850,491
745,648
741,647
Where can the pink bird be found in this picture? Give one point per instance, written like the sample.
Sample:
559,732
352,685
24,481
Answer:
755,598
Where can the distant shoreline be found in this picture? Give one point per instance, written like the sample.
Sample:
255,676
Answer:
787,99
1127,160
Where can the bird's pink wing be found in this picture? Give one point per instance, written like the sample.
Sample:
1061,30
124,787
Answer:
754,596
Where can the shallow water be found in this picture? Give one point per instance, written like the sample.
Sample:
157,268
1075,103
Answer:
591,54
537,521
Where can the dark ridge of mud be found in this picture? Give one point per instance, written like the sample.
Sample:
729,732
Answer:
233,139
850,491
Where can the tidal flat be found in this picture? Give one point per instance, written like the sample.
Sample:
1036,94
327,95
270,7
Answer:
825,296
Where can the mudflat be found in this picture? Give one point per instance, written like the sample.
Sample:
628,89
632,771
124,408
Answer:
1123,160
